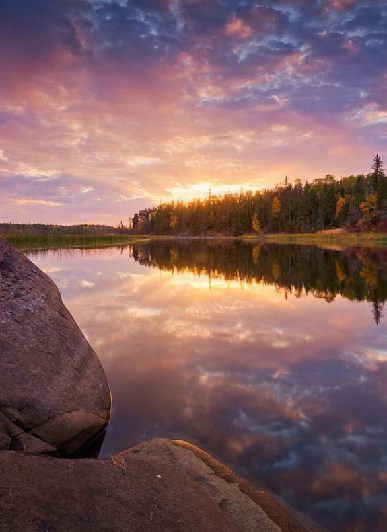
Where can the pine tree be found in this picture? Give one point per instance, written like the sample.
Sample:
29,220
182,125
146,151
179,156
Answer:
378,173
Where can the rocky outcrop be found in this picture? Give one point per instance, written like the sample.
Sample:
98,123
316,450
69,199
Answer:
159,485
54,396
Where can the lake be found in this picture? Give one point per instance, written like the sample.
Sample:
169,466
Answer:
273,358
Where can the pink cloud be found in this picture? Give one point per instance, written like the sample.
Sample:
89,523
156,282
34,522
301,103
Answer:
89,101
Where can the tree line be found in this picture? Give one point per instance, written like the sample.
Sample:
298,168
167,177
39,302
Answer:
53,230
357,203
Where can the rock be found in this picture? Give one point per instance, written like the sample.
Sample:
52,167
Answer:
54,395
251,507
159,485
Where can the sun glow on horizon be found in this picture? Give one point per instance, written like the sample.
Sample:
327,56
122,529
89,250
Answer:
206,189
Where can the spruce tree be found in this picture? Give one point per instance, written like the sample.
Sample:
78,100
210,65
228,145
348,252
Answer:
378,173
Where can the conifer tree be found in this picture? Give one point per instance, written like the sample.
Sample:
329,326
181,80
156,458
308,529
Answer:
378,173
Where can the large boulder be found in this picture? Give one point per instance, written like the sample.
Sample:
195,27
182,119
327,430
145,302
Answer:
159,485
54,396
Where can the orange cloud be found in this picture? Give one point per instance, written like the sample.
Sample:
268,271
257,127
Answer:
236,27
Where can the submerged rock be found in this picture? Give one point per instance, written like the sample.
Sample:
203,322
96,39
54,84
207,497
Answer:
159,485
54,396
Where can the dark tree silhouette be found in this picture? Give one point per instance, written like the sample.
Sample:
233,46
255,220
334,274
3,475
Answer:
378,173
377,311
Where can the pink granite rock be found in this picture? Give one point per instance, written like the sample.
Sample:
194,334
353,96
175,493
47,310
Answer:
54,395
160,485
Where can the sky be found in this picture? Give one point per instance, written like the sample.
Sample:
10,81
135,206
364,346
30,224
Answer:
109,106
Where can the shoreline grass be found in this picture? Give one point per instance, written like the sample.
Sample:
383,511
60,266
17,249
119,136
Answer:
343,239
35,242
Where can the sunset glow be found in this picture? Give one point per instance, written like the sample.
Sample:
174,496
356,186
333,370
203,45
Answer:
108,106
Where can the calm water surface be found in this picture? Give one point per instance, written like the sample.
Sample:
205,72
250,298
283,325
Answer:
273,358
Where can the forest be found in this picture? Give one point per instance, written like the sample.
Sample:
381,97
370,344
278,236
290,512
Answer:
355,203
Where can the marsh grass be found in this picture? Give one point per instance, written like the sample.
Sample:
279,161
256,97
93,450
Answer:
342,239
31,242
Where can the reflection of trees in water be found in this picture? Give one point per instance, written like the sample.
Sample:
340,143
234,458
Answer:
356,274
377,310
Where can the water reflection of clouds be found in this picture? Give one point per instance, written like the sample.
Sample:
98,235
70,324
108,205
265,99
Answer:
291,391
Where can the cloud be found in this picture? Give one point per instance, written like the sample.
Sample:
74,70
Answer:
40,202
235,27
104,91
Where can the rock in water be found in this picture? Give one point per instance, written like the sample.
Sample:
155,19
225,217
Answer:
158,485
54,396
